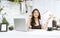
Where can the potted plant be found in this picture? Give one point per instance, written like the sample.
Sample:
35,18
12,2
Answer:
4,25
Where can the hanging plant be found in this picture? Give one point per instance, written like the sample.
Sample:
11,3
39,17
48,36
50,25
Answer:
21,0
16,1
11,0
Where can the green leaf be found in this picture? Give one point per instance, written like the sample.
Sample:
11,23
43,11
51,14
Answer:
1,9
4,21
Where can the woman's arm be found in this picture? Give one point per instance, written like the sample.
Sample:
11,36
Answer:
28,24
44,26
29,21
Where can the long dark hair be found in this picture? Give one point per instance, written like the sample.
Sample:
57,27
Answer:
32,19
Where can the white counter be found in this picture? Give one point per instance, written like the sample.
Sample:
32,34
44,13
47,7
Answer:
30,34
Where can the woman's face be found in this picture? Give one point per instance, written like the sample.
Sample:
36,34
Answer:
36,14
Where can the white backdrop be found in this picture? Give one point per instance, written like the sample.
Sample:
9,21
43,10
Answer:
13,10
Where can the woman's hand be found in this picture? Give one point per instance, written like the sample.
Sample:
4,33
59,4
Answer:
50,16
46,23
28,21
30,16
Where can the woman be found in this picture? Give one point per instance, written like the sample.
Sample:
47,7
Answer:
35,20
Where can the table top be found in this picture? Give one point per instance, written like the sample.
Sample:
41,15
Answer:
30,34
40,32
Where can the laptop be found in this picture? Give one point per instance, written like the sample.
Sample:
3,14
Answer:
20,24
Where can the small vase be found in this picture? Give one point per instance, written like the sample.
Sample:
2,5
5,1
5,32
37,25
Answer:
11,28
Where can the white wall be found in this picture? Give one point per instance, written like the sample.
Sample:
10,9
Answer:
13,10
50,5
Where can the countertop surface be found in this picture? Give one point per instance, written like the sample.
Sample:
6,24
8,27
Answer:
30,34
